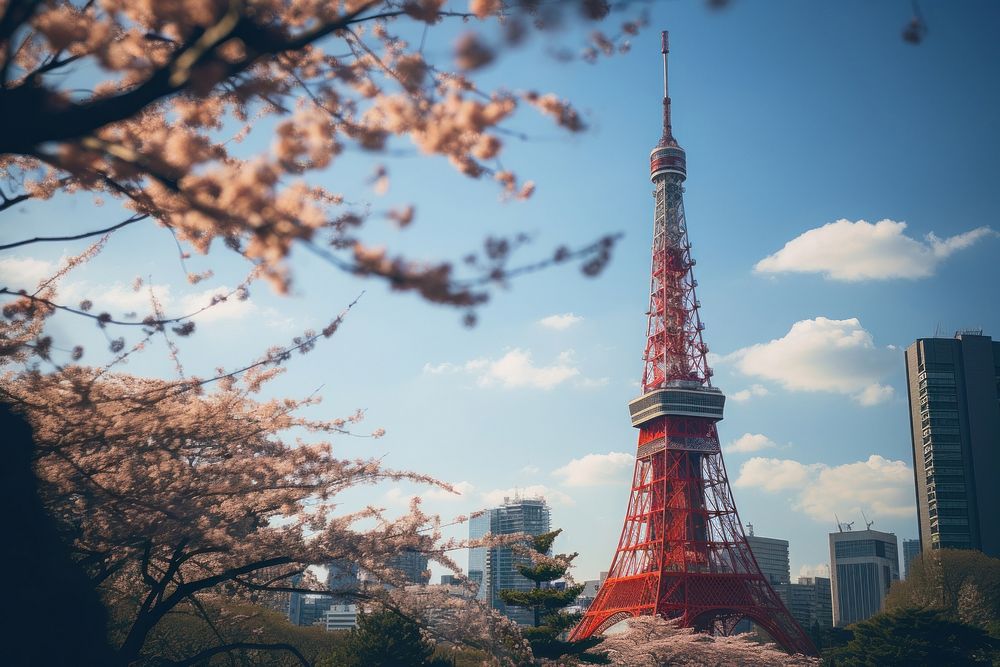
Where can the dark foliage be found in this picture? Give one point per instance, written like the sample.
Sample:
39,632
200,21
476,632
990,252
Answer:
907,637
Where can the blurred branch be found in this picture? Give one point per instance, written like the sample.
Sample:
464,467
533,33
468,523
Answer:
40,239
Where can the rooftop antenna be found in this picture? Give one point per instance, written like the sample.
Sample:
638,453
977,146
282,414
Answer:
750,528
840,528
868,524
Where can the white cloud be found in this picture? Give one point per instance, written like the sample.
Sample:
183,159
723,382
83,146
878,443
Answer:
560,322
745,395
118,298
774,474
530,470
837,356
595,469
25,272
818,570
552,496
878,486
593,383
462,491
513,370
852,251
516,369
750,442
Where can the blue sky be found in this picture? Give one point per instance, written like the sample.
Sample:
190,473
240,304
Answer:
794,115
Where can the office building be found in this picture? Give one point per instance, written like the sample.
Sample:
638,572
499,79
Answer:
479,526
413,566
499,564
308,609
772,558
911,549
808,600
953,386
863,563
342,577
771,555
340,617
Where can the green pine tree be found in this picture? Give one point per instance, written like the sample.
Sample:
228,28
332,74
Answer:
387,639
551,624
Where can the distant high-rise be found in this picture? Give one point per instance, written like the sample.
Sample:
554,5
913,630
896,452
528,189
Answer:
499,564
808,601
342,579
954,390
479,526
911,549
413,565
864,563
772,556
308,609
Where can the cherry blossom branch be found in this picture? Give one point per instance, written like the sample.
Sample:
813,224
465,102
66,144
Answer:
73,120
75,237
104,319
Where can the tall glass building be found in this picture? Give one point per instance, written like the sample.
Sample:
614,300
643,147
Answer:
911,549
863,564
499,564
954,390
479,526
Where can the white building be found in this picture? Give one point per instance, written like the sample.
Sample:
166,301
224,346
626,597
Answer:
340,617
863,564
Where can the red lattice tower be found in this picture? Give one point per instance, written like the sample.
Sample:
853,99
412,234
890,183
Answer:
682,553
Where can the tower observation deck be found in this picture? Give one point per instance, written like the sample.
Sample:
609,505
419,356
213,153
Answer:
682,553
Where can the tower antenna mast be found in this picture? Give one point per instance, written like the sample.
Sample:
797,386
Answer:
668,137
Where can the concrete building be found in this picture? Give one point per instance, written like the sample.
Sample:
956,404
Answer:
808,601
342,577
307,609
911,549
771,555
863,563
954,391
499,565
340,617
413,565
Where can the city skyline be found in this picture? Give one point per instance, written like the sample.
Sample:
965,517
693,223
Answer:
534,396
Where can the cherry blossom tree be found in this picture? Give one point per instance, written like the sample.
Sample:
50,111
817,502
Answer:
171,493
651,641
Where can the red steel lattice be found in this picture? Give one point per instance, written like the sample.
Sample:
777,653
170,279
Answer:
682,552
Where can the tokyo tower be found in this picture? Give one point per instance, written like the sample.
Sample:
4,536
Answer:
682,552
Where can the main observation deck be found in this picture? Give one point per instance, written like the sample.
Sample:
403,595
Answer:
678,398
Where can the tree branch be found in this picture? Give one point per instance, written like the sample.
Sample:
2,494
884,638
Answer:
41,239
